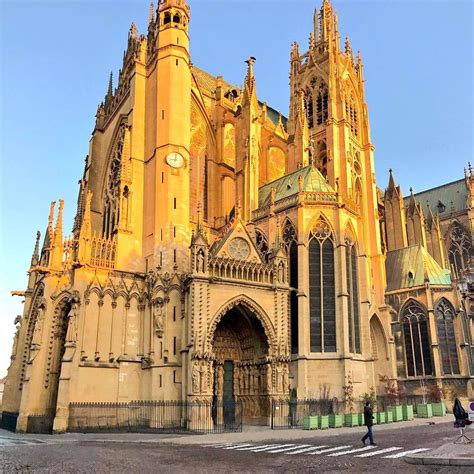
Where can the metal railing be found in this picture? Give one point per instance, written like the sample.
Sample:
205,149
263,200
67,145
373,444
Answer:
157,416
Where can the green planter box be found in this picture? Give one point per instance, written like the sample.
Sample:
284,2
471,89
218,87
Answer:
323,422
311,422
380,416
335,421
424,410
388,416
397,412
439,409
407,412
351,419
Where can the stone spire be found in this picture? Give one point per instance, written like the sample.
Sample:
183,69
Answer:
35,256
151,17
348,50
416,231
250,93
395,218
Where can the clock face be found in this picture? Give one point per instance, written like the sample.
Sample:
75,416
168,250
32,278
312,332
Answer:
239,249
174,159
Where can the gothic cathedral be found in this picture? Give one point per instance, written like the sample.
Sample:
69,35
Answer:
221,250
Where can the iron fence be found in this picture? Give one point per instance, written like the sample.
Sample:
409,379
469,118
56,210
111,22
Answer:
157,416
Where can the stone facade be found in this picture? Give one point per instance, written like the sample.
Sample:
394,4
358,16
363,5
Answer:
221,250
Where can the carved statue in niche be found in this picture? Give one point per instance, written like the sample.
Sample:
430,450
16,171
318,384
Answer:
72,317
219,380
286,386
16,336
158,317
40,309
195,377
279,379
269,379
203,379
281,272
200,261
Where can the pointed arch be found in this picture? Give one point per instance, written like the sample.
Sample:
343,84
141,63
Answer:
417,341
459,244
254,308
320,228
378,335
445,313
352,284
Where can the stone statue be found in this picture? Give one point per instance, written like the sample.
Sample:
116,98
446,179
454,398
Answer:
36,340
15,341
279,379
200,261
71,335
220,380
269,379
157,309
195,378
286,386
281,273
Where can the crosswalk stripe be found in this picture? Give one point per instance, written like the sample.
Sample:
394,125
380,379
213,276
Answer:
216,445
331,449
378,451
358,450
253,447
307,450
282,450
258,450
404,453
238,446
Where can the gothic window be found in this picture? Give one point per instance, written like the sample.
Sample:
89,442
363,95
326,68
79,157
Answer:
322,105
167,18
417,340
322,295
353,297
111,214
291,246
309,109
459,246
262,244
444,313
322,157
351,115
176,18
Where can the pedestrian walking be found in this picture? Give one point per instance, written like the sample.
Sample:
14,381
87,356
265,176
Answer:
368,421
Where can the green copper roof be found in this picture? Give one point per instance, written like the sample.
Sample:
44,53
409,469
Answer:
413,266
443,199
313,181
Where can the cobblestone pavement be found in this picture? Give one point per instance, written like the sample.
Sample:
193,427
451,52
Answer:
57,455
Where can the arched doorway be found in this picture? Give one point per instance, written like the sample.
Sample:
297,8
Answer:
380,353
242,367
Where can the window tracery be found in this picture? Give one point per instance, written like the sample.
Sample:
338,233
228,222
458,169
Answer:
291,246
316,102
351,115
444,313
111,215
353,296
261,242
459,247
417,340
322,289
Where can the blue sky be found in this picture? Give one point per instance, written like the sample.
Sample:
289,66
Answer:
56,57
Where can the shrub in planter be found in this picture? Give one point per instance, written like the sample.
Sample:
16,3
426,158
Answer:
397,412
407,412
311,422
439,409
323,422
380,417
424,410
335,421
351,419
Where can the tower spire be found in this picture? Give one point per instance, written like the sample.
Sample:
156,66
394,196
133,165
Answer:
249,86
35,256
151,17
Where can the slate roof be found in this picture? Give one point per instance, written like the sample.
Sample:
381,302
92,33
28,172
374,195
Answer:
413,266
444,195
208,83
313,181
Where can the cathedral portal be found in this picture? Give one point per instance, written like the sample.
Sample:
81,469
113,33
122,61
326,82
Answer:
243,370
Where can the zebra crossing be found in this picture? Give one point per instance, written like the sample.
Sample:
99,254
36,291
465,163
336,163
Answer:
6,441
291,449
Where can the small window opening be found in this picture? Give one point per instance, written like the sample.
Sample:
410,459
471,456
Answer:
176,18
174,313
174,345
174,201
174,376
162,114
176,62
161,381
174,256
167,18
162,177
161,259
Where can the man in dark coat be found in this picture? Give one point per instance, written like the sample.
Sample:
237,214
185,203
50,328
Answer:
368,421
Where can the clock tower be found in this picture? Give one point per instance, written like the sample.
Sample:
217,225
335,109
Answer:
172,137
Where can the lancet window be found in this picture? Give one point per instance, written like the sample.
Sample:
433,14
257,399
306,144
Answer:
309,109
351,115
444,313
417,340
290,242
353,296
459,247
322,294
322,104
111,214
322,157
262,244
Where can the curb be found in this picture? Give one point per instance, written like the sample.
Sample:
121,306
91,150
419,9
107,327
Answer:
439,461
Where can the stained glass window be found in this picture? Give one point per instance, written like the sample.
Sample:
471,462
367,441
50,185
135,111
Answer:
444,313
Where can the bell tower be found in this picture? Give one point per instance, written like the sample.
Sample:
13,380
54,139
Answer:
172,140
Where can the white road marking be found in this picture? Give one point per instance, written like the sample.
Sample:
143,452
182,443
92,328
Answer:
379,451
404,453
238,446
216,445
358,450
258,450
282,450
331,449
307,450
253,447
